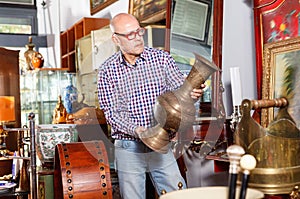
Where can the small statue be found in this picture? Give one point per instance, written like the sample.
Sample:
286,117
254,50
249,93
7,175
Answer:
59,113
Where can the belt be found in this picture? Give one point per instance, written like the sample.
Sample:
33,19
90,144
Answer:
132,146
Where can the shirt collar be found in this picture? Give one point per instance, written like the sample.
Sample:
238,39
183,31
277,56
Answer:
143,56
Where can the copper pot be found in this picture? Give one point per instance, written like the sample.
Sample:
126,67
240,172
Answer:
174,111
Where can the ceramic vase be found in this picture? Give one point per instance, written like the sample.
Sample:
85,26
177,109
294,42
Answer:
70,94
48,136
37,60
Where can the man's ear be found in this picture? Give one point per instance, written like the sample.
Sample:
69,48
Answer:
115,39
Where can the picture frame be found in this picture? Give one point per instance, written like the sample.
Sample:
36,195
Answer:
281,77
272,18
192,19
148,12
97,5
18,3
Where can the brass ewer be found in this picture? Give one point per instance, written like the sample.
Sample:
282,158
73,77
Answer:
174,111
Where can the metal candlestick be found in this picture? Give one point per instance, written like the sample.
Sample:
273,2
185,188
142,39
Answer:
235,118
33,179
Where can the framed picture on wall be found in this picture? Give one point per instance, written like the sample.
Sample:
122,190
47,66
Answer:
148,12
281,77
274,20
191,19
97,5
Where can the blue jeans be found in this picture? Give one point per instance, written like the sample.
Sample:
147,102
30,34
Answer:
133,159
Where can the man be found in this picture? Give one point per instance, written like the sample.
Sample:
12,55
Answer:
128,85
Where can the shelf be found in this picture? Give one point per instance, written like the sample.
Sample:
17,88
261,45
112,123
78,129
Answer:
67,39
64,61
71,61
45,69
79,30
71,39
86,25
63,43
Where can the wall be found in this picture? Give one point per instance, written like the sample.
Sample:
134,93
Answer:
238,48
238,36
48,24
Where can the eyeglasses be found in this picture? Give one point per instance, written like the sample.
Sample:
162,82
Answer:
132,35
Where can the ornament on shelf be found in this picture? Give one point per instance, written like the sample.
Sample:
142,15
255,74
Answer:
33,58
70,94
29,53
59,113
37,60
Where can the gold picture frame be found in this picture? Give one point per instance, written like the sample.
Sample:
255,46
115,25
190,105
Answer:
148,12
97,5
281,77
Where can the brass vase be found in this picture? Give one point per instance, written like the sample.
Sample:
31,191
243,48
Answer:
174,111
28,54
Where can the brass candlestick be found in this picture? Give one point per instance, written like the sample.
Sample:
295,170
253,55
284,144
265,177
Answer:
235,118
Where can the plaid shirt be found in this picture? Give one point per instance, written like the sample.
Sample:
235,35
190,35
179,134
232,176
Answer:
127,93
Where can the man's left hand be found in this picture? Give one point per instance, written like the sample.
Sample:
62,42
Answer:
197,93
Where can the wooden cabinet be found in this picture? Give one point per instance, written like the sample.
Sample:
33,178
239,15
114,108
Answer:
67,39
10,86
9,79
93,49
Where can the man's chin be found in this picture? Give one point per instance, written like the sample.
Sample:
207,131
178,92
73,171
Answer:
139,49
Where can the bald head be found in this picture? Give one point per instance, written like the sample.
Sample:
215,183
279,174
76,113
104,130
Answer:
122,25
122,22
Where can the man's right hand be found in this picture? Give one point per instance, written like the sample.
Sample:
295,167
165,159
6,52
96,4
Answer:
140,129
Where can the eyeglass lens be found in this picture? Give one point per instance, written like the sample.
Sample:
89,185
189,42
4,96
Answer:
132,35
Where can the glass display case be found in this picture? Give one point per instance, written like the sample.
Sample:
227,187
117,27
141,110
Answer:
87,87
39,90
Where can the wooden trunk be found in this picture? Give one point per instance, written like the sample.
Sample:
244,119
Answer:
82,171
